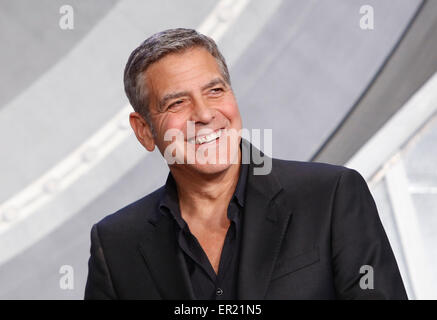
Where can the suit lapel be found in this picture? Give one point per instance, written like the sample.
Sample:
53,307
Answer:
164,261
265,220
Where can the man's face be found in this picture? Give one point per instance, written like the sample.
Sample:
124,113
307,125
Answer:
187,87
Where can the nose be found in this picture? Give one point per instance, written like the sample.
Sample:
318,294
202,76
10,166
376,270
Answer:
202,113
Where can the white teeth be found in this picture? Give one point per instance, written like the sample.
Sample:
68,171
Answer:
208,138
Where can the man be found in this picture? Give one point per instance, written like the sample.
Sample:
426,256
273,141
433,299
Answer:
217,230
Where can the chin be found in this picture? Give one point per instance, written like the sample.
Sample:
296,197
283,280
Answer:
211,169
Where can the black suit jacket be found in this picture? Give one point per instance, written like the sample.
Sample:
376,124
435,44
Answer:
308,228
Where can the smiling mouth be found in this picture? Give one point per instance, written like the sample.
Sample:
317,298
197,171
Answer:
206,138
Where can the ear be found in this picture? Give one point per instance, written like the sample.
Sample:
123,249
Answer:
142,130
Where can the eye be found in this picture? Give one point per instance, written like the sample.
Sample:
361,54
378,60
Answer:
175,104
217,90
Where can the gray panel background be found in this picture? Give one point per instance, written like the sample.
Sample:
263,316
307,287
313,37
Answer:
299,72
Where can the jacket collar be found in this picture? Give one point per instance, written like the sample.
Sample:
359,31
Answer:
265,220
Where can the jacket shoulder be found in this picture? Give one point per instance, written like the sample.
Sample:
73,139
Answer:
133,214
309,176
307,168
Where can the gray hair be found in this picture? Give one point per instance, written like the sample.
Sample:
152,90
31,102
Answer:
156,47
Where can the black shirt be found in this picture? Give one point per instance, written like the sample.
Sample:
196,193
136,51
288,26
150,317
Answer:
206,284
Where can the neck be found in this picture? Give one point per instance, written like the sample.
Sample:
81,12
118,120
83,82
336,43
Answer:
205,197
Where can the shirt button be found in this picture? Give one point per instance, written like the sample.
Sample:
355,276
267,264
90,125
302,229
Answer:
219,292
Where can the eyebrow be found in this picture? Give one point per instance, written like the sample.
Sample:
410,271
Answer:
213,83
171,96
175,95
